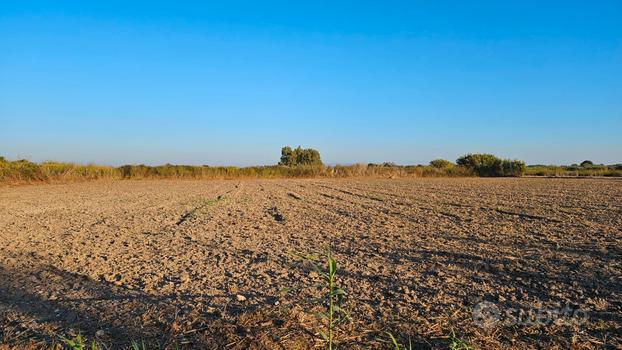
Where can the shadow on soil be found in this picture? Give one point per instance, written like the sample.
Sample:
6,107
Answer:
44,304
41,302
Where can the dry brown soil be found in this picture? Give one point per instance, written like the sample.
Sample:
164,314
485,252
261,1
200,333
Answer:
207,264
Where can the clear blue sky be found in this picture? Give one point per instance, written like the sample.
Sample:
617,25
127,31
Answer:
231,82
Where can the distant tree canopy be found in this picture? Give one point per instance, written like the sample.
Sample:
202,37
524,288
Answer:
384,164
490,165
441,163
586,163
299,156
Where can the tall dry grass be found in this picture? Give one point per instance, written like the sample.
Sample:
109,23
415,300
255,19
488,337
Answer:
21,171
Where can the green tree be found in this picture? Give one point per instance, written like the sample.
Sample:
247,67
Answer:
286,156
586,164
299,156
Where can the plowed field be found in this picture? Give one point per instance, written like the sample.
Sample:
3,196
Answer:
209,264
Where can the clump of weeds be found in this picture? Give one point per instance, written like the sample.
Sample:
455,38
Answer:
333,297
458,344
398,346
78,343
136,345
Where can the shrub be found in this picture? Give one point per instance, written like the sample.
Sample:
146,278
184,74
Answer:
514,168
490,165
21,170
441,163
586,164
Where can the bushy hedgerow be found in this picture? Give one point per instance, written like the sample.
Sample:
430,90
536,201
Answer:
441,163
490,165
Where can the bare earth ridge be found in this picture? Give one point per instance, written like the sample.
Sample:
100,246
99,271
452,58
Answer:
207,264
